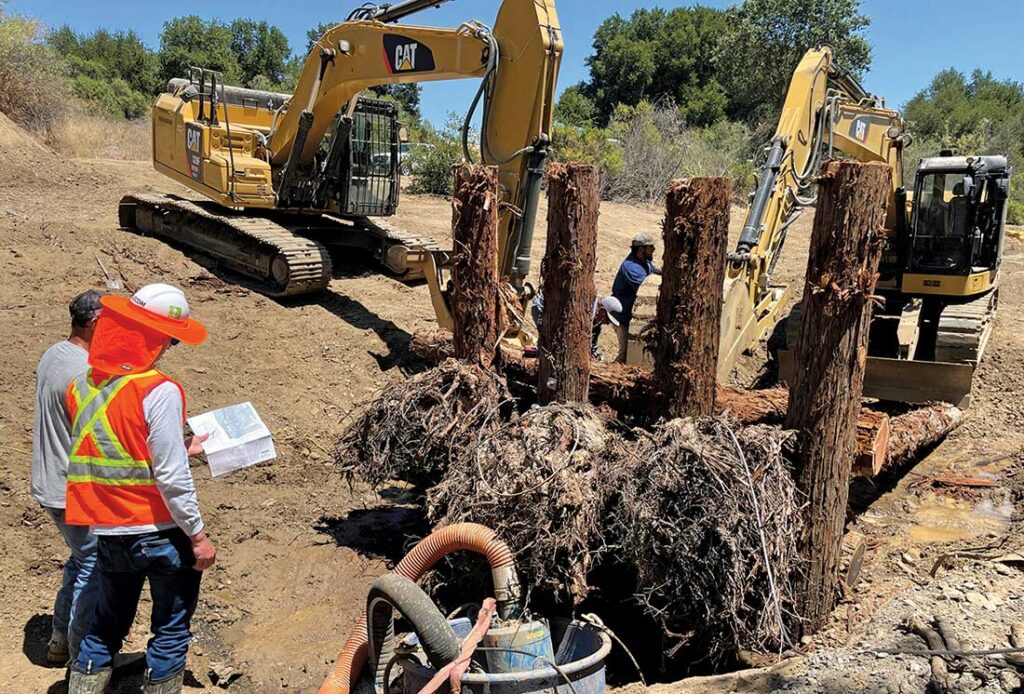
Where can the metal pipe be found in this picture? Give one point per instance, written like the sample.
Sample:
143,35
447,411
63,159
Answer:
755,216
534,177
403,9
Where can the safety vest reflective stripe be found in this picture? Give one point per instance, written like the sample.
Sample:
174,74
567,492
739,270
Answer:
114,465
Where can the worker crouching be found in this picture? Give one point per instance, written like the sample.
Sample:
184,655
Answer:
129,478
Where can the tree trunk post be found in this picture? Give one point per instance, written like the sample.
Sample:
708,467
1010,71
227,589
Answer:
570,258
476,324
825,397
686,335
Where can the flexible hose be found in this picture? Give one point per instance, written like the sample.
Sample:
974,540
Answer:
470,537
393,592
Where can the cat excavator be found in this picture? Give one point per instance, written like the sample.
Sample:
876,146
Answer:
942,250
280,178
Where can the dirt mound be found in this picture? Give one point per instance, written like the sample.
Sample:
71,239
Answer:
25,160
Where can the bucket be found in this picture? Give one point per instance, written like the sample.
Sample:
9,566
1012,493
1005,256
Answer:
580,656
518,647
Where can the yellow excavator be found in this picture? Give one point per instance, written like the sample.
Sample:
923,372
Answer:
283,177
943,242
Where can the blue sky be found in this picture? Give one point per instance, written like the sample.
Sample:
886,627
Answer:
912,39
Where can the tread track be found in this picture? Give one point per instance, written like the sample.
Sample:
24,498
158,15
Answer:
285,263
964,329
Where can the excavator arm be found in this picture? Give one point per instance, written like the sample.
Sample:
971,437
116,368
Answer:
517,62
825,110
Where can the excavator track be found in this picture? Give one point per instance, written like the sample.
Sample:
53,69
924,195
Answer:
964,330
284,263
400,251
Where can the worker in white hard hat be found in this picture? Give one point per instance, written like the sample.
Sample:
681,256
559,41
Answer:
129,479
604,313
636,268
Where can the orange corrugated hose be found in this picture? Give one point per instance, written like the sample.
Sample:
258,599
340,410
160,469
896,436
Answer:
470,537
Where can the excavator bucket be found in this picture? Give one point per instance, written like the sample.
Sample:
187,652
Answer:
744,324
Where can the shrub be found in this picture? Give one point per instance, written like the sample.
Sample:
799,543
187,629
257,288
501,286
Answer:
32,89
433,167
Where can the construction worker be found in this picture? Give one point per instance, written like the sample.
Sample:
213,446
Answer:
51,444
637,266
129,479
604,312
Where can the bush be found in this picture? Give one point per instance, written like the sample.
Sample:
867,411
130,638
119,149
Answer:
32,89
433,165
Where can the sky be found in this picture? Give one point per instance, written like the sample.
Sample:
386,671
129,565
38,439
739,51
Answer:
911,39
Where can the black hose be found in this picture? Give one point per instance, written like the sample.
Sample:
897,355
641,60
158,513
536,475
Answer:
395,592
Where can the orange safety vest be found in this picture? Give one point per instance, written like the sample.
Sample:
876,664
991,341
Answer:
110,476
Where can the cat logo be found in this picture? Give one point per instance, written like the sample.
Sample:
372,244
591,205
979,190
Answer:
859,129
194,150
402,54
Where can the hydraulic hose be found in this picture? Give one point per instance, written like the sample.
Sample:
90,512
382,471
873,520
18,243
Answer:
393,592
424,556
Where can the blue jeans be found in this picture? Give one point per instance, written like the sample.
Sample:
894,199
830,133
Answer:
125,562
76,598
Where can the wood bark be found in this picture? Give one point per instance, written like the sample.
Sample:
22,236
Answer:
476,321
567,271
913,431
686,332
831,350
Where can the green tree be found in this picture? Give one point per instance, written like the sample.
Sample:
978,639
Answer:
575,107
767,38
120,54
979,115
656,55
261,50
191,41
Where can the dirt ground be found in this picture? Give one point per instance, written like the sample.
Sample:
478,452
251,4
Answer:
297,546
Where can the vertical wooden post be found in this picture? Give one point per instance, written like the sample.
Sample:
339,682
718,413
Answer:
686,334
475,282
831,350
570,258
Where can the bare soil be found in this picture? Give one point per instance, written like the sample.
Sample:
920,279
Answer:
297,546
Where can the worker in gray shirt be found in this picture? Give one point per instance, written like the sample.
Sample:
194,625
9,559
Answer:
51,443
129,478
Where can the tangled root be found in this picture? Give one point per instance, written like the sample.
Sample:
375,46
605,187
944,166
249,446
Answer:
415,427
707,569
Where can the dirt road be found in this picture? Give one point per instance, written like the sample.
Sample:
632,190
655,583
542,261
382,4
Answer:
297,547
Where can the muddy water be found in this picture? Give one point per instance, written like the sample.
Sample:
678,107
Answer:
945,519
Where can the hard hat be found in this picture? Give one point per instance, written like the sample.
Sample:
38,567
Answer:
612,306
131,333
643,239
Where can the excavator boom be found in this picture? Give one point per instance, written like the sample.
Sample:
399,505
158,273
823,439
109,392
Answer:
327,152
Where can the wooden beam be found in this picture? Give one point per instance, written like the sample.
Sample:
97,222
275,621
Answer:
476,318
831,350
686,329
567,271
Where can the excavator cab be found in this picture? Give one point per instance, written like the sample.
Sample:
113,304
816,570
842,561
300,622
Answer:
958,217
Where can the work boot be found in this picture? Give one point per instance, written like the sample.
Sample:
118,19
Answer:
94,683
171,685
57,649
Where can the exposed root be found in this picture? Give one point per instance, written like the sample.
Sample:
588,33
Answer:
688,523
415,427
542,483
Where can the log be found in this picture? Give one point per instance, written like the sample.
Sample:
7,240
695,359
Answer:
567,273
825,397
871,443
476,317
625,389
917,430
685,333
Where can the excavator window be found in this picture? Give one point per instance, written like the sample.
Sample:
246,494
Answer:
940,224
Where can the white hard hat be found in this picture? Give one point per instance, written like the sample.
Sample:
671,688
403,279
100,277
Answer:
162,300
643,239
160,307
612,306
